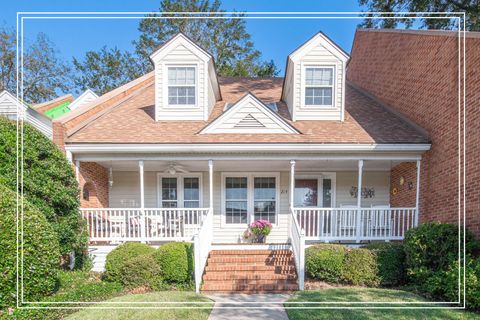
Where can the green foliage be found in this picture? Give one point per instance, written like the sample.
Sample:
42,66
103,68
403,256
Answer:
390,262
48,183
470,7
118,258
44,73
106,69
226,39
325,262
429,248
176,262
360,267
39,247
141,271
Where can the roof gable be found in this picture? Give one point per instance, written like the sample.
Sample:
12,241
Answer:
180,40
249,115
319,39
7,99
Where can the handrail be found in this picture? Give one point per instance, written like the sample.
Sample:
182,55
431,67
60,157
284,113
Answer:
202,243
297,239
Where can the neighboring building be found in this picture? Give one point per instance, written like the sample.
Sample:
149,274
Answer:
14,109
62,105
180,154
417,74
83,99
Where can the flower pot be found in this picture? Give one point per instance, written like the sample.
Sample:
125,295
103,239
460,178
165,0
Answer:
260,238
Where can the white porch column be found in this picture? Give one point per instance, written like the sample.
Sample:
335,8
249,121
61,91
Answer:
292,183
359,200
417,196
210,186
77,170
142,201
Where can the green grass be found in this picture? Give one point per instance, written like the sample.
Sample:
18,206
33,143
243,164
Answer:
367,295
198,311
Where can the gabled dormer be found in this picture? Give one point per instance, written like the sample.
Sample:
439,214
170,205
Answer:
186,86
249,115
314,87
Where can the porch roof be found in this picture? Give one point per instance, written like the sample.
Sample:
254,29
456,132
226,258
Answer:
367,121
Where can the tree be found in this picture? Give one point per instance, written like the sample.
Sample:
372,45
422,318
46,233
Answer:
470,7
44,74
106,69
225,38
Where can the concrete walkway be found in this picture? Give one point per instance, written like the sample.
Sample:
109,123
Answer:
246,306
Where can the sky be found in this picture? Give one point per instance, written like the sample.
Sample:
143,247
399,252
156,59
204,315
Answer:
275,38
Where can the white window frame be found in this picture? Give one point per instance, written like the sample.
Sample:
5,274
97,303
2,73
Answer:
180,187
250,196
320,176
166,86
303,80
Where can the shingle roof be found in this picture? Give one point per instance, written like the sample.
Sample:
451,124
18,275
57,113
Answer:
132,121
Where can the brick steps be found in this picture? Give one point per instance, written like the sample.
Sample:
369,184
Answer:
250,271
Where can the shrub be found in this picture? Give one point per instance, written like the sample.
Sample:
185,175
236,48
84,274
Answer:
48,183
41,253
325,262
360,267
141,271
120,256
176,262
429,248
390,262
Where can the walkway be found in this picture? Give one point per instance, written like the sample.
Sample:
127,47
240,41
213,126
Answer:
242,307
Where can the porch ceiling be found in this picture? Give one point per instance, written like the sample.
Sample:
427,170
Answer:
252,165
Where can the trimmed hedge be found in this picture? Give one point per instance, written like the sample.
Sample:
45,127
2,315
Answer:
390,259
40,251
121,256
360,268
48,183
176,262
325,262
141,271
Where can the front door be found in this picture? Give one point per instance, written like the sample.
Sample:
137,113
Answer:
314,191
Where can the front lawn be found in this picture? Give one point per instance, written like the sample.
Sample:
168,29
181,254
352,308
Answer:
197,311
367,295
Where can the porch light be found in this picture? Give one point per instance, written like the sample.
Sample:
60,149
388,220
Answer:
110,177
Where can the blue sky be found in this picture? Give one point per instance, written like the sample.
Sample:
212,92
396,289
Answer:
274,38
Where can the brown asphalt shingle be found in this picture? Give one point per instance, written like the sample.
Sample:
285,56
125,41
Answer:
366,121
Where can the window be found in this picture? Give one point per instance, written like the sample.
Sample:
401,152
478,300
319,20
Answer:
264,202
236,200
181,86
179,192
319,86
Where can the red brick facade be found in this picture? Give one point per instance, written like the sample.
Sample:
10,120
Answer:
93,177
403,185
416,74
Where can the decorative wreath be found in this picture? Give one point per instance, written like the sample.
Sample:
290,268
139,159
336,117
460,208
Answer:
394,191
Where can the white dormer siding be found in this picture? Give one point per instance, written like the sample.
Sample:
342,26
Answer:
191,90
85,98
307,86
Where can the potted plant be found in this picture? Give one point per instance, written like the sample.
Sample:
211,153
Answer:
260,229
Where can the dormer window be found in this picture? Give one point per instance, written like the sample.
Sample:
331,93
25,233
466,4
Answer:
181,86
319,86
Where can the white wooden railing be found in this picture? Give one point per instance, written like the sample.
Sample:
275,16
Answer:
297,241
149,224
355,224
202,243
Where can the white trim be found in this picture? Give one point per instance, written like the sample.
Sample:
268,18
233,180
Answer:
213,126
319,39
303,77
182,40
250,197
232,147
180,187
165,85
80,99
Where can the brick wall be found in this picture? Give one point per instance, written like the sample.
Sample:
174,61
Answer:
405,195
94,177
417,74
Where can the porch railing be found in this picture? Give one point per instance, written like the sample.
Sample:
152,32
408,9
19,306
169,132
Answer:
202,243
149,224
297,241
355,224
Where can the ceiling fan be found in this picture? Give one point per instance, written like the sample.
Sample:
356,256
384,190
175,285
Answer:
174,167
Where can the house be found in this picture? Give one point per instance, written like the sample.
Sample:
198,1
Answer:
181,154
418,73
14,109
61,105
